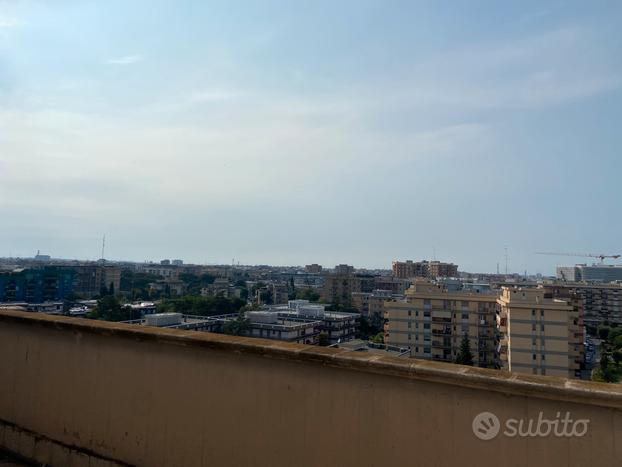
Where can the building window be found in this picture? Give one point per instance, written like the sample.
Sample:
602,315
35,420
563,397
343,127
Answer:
409,336
533,357
426,325
465,316
409,324
410,313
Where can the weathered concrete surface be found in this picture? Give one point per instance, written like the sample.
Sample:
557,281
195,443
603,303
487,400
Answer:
79,392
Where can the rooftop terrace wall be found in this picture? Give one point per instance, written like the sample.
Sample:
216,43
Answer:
78,392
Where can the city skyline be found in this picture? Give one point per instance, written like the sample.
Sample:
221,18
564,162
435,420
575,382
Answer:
354,133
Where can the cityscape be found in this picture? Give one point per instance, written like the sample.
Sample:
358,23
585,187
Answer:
310,233
565,325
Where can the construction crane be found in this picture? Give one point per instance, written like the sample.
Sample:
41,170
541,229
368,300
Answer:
581,255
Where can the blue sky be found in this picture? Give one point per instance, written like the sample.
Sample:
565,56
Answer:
311,131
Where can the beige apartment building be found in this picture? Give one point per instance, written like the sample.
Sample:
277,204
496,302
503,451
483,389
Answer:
371,304
539,334
432,321
431,269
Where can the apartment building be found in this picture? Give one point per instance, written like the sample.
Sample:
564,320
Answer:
338,287
36,285
430,269
432,321
539,334
371,304
313,268
598,302
91,279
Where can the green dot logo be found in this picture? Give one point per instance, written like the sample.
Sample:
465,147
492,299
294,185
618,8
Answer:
486,426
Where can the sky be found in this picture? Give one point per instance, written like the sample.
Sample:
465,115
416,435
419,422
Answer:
292,132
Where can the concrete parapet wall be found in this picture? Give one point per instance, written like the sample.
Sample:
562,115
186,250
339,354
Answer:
78,392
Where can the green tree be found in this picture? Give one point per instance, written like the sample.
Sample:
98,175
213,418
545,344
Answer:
238,326
465,357
617,356
110,309
307,294
603,332
323,340
607,371
378,338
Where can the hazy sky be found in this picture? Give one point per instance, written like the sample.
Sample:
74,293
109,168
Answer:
311,131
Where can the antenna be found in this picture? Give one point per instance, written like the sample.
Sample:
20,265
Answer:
103,245
506,260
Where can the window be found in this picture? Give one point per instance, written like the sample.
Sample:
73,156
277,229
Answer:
426,325
465,316
409,336
533,356
533,312
410,312
409,324
533,327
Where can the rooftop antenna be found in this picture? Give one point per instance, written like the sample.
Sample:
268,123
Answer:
506,260
103,245
434,253
497,267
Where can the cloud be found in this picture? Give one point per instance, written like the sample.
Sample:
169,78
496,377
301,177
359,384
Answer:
126,60
214,95
9,22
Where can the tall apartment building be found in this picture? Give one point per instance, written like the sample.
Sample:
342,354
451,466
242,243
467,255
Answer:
432,321
90,279
344,269
438,269
339,286
313,268
430,269
598,302
539,334
36,285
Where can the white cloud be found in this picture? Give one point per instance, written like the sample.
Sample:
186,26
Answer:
214,95
9,22
126,60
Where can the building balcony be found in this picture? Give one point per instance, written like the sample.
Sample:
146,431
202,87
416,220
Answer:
77,392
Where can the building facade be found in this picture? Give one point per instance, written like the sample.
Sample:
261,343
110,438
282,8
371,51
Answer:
539,334
432,322
429,269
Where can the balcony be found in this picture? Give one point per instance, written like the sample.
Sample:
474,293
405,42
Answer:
80,392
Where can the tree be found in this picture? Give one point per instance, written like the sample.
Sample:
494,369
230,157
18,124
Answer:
323,340
465,357
109,309
607,370
617,356
238,326
378,338
603,332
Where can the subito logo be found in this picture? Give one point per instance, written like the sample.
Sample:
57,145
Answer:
486,426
